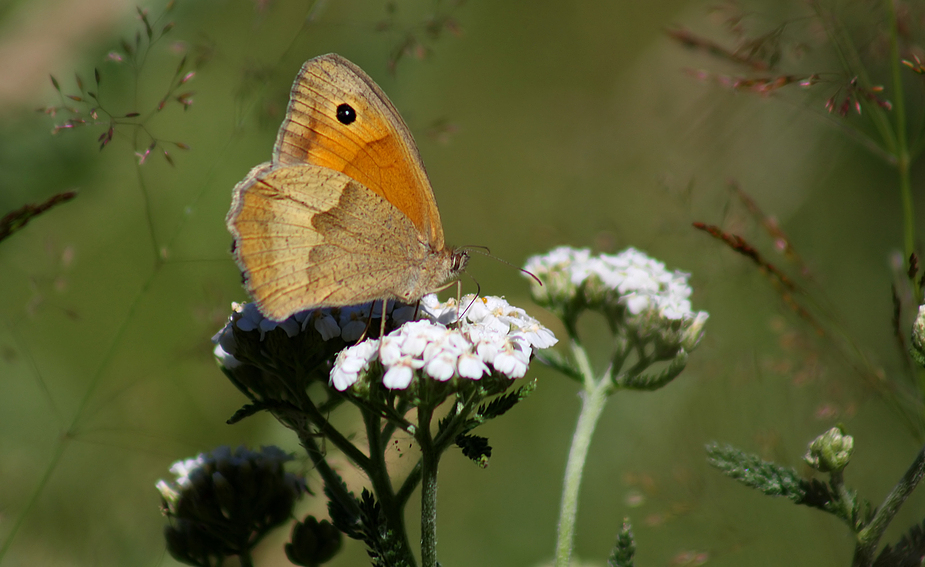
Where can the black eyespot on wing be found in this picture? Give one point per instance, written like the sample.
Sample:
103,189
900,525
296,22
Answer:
346,114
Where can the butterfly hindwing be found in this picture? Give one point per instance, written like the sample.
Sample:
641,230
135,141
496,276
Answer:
308,237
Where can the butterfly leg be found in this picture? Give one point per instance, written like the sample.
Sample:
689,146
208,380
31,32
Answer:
382,324
369,322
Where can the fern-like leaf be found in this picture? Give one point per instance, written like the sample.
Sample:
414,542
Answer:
770,478
908,552
500,405
475,448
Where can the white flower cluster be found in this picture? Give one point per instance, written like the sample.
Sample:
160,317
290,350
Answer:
492,337
630,283
642,283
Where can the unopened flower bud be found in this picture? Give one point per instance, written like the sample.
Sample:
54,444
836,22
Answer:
690,336
557,272
313,542
830,452
918,337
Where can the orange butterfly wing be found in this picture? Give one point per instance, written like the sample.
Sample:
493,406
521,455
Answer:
340,119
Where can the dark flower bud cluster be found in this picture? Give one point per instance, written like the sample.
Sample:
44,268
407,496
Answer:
222,503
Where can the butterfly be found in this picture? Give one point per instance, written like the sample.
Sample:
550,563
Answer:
344,212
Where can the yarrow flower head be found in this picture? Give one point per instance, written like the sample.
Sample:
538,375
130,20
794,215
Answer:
274,360
491,341
221,503
637,294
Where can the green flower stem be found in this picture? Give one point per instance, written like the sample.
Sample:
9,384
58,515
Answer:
390,425
846,500
455,424
593,399
584,364
622,350
374,466
391,414
869,537
338,491
378,473
429,458
411,483
331,479
553,360
308,408
445,439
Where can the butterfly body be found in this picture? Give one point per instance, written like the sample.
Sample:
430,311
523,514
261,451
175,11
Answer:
344,213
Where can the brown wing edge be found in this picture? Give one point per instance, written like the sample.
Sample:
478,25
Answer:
237,203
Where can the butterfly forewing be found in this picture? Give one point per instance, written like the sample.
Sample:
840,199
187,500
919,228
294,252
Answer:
373,147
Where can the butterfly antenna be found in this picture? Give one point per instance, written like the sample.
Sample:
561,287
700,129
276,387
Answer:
484,251
478,293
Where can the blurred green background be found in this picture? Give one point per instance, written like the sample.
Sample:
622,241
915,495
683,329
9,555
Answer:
541,123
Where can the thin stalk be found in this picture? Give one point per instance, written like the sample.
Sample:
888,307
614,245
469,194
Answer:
846,500
851,62
149,216
378,474
411,482
331,479
374,466
390,426
429,458
583,362
454,426
869,537
903,161
33,498
330,433
593,399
